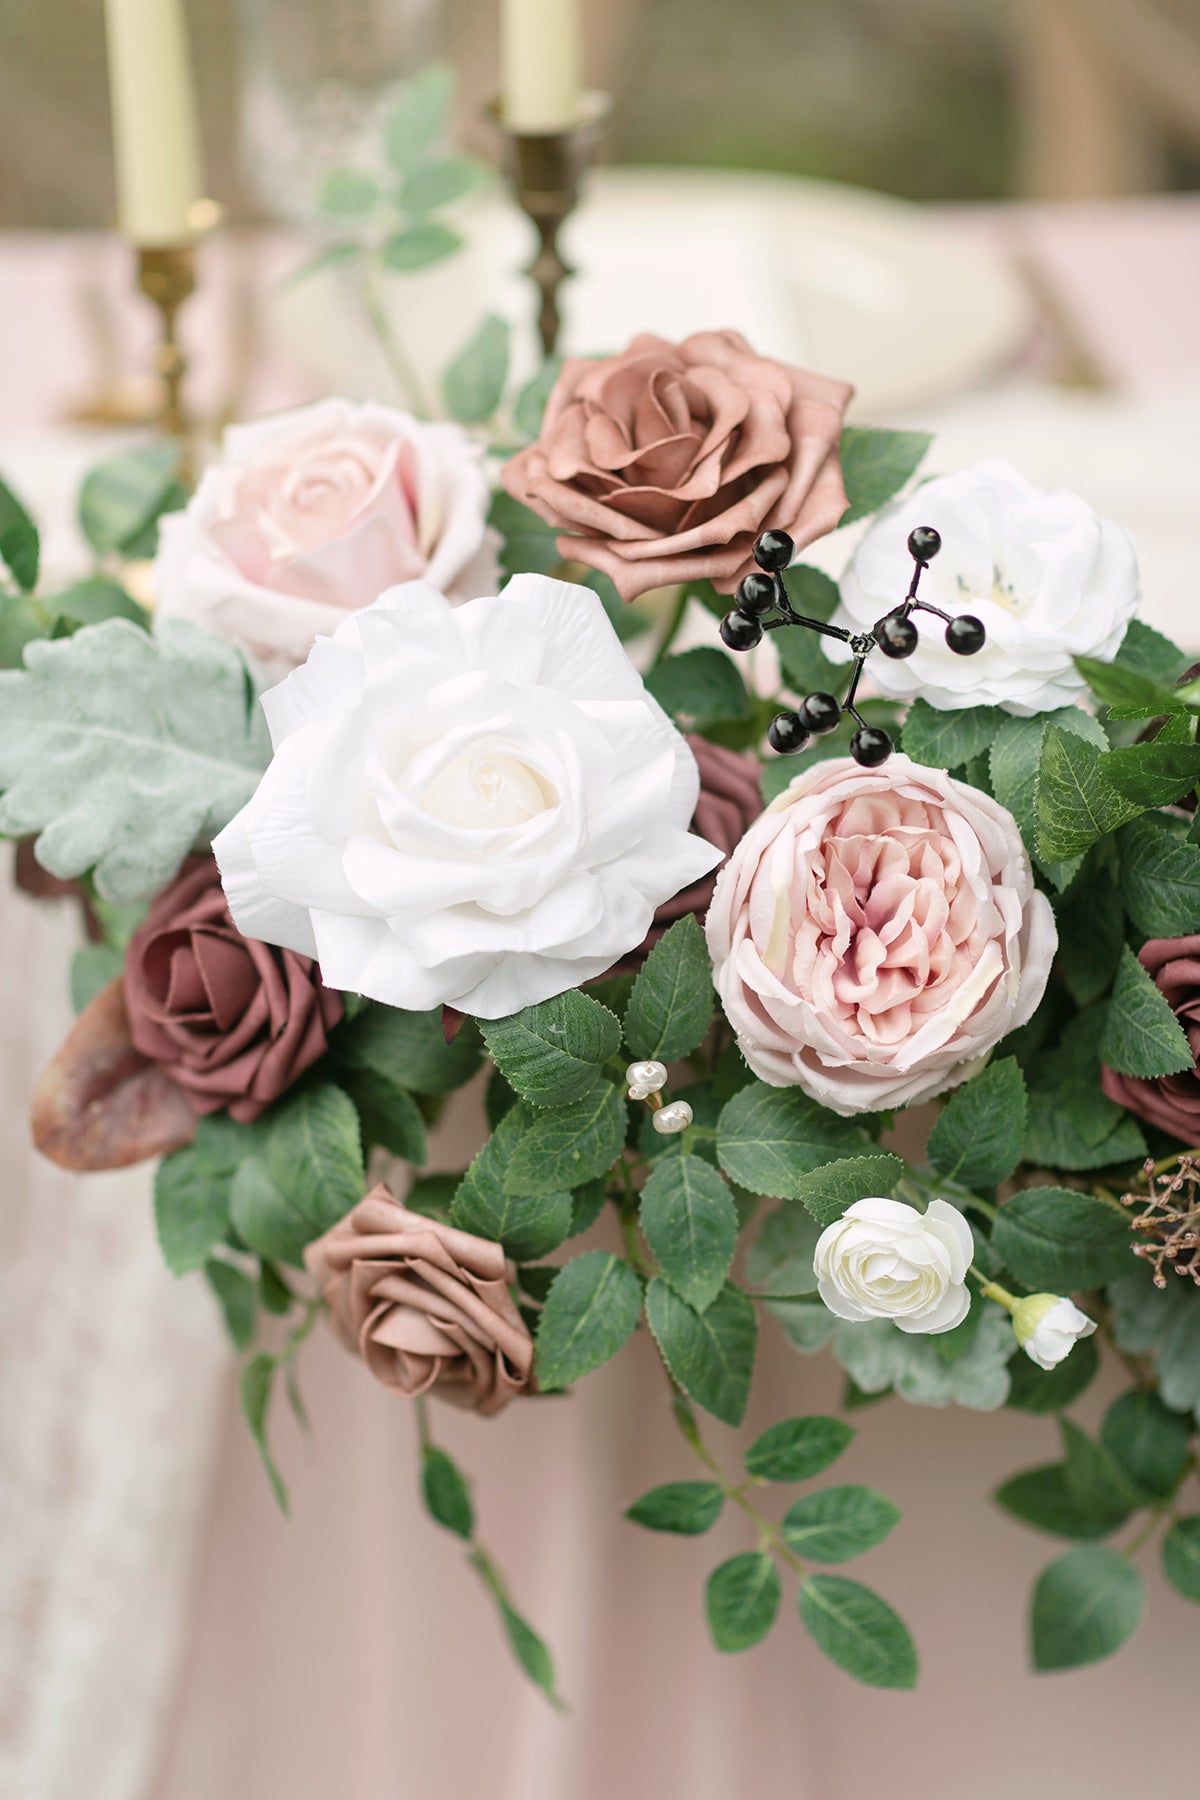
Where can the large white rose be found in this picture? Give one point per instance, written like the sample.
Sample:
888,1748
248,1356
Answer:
477,806
885,1260
313,513
1048,578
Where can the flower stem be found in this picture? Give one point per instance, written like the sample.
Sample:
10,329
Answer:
403,369
769,1535
673,626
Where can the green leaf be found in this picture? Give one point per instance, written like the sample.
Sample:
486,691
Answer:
19,544
441,183
1076,800
1085,1606
878,1356
827,1192
1091,930
1148,1443
122,498
258,1376
528,1225
348,193
1160,877
93,600
93,966
685,1507
698,687
672,1003
565,1146
530,404
1151,653
798,1449
445,1492
409,1049
264,1217
858,1631
710,1354
876,464
944,740
591,1312
551,1054
473,384
1036,1390
769,1137
1131,693
527,542
237,1296
976,1139
124,750
389,1117
307,1177
781,1258
805,665
1059,1240
1153,774
338,255
741,1600
419,246
1141,1034
1093,1475
191,1203
420,117
837,1523
1163,1323
1016,755
1045,1499
690,1223
1181,1556
529,1649
587,1203
1072,1124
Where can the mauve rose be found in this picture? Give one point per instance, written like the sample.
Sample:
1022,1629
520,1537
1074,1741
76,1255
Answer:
876,933
427,1307
1172,1102
664,463
232,1021
310,515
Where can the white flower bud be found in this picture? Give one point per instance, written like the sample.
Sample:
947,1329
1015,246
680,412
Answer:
1048,1326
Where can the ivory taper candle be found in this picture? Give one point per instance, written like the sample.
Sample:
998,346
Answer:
541,64
156,145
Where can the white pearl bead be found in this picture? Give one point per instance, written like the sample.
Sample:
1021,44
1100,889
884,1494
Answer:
676,1117
645,1078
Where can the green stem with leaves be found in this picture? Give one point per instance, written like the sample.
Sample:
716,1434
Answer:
770,1537
402,367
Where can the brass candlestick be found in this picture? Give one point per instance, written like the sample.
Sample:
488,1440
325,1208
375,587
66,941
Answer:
545,169
167,277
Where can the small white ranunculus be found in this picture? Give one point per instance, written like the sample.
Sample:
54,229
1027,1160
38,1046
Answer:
1048,1326
885,1260
479,806
1049,579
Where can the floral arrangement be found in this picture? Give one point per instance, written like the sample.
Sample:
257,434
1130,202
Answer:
411,783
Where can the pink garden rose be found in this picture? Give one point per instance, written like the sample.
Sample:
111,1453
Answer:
877,933
312,514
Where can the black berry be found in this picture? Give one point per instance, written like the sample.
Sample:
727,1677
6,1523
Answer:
965,635
924,543
755,595
786,734
739,632
774,550
819,712
896,636
870,746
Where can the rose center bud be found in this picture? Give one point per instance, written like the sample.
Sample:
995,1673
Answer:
487,787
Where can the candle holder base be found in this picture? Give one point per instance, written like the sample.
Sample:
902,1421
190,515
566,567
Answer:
167,277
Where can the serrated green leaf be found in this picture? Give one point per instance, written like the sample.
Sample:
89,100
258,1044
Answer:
237,1296
806,668
589,1315
943,740
1059,1240
1151,653
1076,800
191,1204
314,1154
419,246
1071,1123
562,1147
769,1137
698,687
473,383
441,183
122,498
348,193
1091,930
445,1492
710,1354
1154,774
528,1225
550,1054
741,1600
1044,1499
420,116
976,1139
265,1218
1037,1390
1160,877
1141,1034
409,1049
1148,1443
825,1193
672,1004
258,1377
1181,1556
390,1118
1015,757
690,1222
858,1631
1136,695
1085,1606
838,1523
876,464
798,1449
685,1507
780,1261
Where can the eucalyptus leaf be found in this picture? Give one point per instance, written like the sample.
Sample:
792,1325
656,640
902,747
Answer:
878,1357
348,193
420,116
419,246
438,184
1181,1556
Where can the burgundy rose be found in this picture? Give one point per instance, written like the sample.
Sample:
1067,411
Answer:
232,1021
1172,1102
664,463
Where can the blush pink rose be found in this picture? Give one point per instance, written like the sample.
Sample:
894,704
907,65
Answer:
877,933
664,463
312,514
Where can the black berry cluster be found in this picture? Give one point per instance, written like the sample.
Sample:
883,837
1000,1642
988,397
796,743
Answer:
761,604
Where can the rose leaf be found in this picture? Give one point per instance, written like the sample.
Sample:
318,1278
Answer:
1141,1034
858,1631
710,1354
690,1222
741,1600
1085,1606
672,1004
978,1135
590,1312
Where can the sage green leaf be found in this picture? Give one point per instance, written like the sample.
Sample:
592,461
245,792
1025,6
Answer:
698,687
1153,774
878,1356
741,1600
1181,1556
976,1139
93,600
93,966
419,246
685,1507
527,542
337,255
258,1377
237,1296
348,193
551,1053
1045,1499
124,750
590,1313
420,117
826,1192
1076,800
838,1523
768,1137
798,1449
445,1492
672,1003
1132,694
473,383
1148,1443
1163,1323
780,1261
690,1222
1036,1390
1160,877
1059,1240
122,498
409,1049
858,1631
528,1225
438,184
1085,1606
944,740
710,1354
1141,1034
562,1147
530,403
876,464
807,1325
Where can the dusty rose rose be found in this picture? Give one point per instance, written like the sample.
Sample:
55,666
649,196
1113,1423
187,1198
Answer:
876,933
1172,1102
425,1306
312,514
233,1022
664,463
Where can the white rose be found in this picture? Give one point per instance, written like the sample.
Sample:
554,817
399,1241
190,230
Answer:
313,513
1048,1326
885,1260
477,806
1048,578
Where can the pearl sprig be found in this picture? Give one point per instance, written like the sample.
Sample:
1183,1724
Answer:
646,1081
